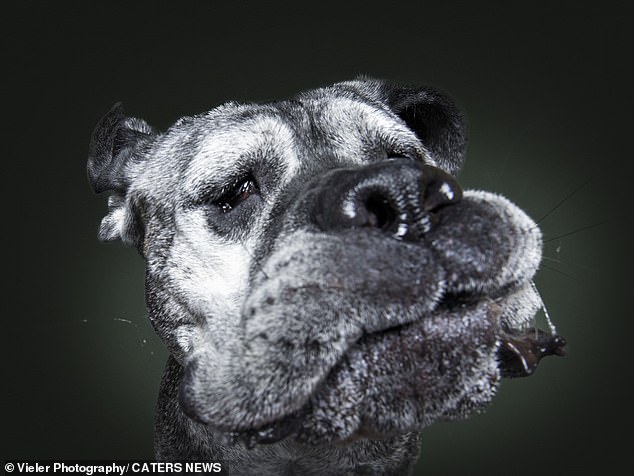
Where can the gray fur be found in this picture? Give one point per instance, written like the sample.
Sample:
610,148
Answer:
306,339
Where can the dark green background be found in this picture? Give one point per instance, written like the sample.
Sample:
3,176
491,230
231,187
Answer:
547,91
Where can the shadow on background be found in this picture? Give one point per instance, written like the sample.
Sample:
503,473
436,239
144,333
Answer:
547,91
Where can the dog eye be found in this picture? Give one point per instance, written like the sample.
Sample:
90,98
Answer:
237,193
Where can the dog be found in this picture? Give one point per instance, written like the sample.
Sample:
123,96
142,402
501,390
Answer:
324,286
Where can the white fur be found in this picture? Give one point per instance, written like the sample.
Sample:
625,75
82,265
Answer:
210,272
221,157
354,124
523,263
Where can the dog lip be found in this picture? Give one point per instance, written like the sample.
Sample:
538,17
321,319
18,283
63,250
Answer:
521,351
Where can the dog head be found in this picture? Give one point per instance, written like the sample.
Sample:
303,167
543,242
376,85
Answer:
314,265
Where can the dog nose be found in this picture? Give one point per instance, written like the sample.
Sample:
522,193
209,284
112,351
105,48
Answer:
398,196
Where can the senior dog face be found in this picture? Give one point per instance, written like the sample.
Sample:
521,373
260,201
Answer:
324,286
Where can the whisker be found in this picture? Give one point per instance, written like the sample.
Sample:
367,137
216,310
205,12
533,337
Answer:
578,230
563,200
551,268
570,264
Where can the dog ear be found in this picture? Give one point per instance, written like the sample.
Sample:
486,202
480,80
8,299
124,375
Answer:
114,150
431,114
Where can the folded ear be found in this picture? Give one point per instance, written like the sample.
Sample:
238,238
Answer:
112,148
431,114
114,151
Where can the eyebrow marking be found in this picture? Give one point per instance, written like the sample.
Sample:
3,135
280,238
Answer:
228,152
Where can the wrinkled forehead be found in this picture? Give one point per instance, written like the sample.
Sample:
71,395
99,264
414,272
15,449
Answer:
238,137
229,140
352,130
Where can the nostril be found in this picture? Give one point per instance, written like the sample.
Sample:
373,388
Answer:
398,198
380,212
439,192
